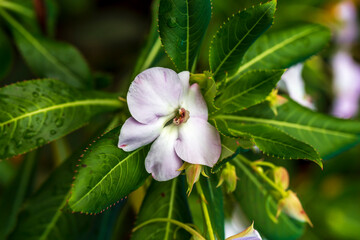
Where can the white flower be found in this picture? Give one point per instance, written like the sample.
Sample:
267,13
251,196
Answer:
347,85
165,108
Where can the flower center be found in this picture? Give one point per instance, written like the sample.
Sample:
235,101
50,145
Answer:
181,116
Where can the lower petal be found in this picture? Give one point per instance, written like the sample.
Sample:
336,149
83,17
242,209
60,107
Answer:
134,134
162,161
198,142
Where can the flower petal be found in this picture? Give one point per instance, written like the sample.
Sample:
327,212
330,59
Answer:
184,78
198,142
154,93
134,134
194,102
162,161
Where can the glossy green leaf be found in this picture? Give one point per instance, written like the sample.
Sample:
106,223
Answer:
215,204
36,112
235,37
328,135
250,89
49,58
272,141
44,216
182,26
107,174
285,48
6,54
164,200
15,194
254,199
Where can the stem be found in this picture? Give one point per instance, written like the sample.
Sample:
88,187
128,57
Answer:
16,8
261,163
264,177
180,224
205,210
154,51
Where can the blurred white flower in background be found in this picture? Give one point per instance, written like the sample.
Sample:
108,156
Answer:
346,72
294,85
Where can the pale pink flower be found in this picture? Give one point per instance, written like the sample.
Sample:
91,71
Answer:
296,87
347,85
165,108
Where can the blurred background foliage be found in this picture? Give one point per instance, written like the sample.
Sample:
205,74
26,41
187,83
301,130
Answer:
111,34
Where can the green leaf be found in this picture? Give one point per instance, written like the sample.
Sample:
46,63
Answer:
250,89
285,48
164,200
49,58
15,194
182,26
230,148
7,173
215,204
6,54
208,88
36,112
276,143
107,174
234,38
328,135
254,199
44,217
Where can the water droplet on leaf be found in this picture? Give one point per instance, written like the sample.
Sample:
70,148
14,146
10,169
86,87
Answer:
59,122
18,143
171,22
22,109
40,141
52,132
29,134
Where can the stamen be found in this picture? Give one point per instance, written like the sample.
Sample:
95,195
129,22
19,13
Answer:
181,117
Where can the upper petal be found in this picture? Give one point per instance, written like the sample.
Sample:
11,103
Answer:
195,103
198,142
162,161
154,93
134,134
184,78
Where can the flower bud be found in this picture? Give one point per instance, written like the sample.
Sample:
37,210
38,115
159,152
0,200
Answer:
248,234
281,177
275,100
192,172
291,206
228,176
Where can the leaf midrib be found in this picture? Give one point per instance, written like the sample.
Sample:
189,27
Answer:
287,124
54,218
241,40
273,49
106,175
103,102
275,142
